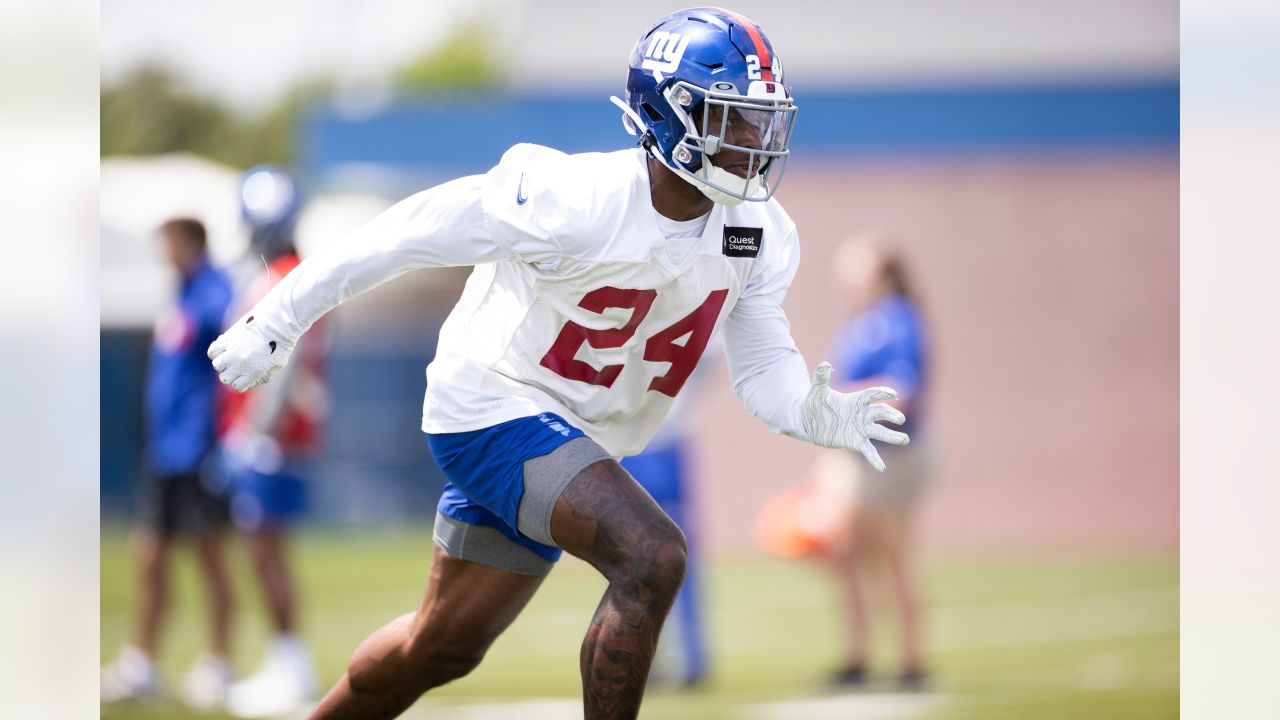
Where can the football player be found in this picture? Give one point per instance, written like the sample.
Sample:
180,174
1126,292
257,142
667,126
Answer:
268,440
599,280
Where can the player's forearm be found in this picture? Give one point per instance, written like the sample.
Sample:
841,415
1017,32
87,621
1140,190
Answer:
440,227
775,391
769,374
321,283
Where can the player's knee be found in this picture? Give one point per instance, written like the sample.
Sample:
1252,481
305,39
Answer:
367,673
660,562
435,659
420,670
673,560
432,662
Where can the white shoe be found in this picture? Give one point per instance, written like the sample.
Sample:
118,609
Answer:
131,677
206,684
286,684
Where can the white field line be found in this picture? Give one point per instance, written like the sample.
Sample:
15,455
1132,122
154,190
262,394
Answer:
493,709
862,707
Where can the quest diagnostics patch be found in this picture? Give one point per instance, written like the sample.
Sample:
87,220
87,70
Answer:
742,241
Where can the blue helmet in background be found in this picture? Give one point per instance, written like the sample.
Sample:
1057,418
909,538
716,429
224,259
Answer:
705,82
269,202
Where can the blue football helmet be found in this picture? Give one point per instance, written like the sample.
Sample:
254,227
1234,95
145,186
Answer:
269,203
704,83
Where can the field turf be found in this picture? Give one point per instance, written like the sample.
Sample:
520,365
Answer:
1045,637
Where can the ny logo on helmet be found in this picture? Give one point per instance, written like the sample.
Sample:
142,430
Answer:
664,53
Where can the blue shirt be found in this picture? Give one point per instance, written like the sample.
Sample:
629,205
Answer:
886,340
182,387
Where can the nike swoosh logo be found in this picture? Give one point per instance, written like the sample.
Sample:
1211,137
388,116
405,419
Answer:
521,199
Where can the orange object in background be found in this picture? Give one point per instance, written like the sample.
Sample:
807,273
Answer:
803,521
779,530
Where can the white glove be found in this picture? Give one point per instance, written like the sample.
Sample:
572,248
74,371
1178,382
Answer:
848,420
245,357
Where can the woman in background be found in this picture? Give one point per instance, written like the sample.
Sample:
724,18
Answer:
881,343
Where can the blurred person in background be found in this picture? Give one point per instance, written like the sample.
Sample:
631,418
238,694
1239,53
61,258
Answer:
268,441
175,496
599,280
664,470
882,342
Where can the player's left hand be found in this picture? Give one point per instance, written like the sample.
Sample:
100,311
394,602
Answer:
848,420
245,357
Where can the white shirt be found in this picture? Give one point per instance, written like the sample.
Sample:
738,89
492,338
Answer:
579,303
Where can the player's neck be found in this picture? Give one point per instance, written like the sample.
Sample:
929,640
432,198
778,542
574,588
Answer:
674,198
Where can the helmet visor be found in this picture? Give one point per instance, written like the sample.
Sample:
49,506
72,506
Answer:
744,126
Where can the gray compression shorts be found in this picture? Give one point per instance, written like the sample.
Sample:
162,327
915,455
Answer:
545,478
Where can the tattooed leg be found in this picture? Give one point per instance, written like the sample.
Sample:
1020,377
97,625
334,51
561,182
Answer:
607,519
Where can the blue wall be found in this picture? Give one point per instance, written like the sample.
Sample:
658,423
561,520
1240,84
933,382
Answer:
458,135
122,370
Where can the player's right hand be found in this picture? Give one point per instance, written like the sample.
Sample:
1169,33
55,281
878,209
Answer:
245,357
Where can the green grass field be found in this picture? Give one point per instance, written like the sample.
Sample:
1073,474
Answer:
1044,638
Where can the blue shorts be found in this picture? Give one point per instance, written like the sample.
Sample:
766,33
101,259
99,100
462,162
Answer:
485,469
264,500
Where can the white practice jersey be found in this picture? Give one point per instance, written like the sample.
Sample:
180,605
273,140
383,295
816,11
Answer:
578,304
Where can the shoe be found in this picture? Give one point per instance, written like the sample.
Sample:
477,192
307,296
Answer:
285,685
131,677
206,684
850,676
